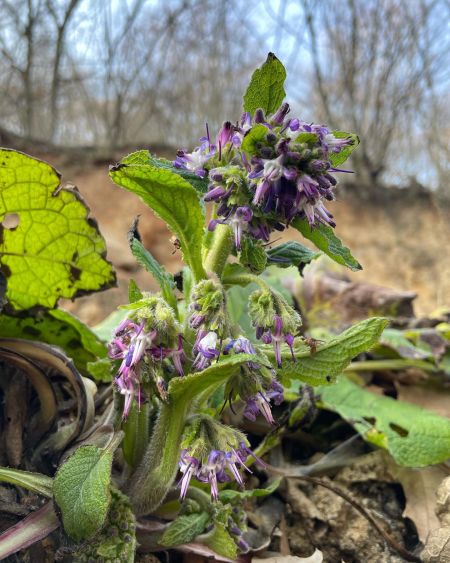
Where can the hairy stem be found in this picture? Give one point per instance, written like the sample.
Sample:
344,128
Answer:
221,247
155,474
394,364
245,279
136,430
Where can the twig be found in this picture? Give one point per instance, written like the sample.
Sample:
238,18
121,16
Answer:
407,555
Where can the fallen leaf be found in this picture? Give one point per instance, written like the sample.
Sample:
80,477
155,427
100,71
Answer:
434,398
420,486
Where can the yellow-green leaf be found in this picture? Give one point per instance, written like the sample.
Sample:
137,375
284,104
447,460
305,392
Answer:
49,246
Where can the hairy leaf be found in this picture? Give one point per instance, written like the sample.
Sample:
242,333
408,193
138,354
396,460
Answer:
36,482
101,370
253,256
145,157
147,261
59,328
326,241
56,249
191,385
338,158
184,529
331,358
81,490
254,136
266,88
414,436
220,541
174,200
291,253
229,495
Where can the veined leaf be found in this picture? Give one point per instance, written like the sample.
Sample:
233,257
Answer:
257,134
191,385
82,491
145,157
229,495
414,436
184,529
252,255
36,482
174,200
59,328
266,88
56,249
338,158
326,241
291,253
220,541
330,359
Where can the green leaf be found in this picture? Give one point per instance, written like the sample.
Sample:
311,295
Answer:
291,253
229,495
104,329
337,159
147,261
134,293
36,482
174,200
56,249
101,370
145,157
59,328
326,241
252,255
184,529
191,385
309,138
220,541
330,359
253,137
414,436
396,340
266,88
81,490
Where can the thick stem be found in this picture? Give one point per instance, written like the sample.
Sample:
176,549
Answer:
245,279
136,430
220,250
154,476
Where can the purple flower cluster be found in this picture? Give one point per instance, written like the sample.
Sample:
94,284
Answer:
213,469
260,403
276,335
205,349
134,341
283,172
264,389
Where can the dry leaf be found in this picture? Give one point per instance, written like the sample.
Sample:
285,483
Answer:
420,486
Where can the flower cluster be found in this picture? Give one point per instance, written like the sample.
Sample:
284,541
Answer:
276,322
208,317
213,453
264,171
146,340
256,386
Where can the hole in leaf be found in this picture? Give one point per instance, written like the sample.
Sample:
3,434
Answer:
400,431
370,420
11,221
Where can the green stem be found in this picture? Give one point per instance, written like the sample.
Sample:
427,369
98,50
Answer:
245,279
221,247
393,364
136,430
156,473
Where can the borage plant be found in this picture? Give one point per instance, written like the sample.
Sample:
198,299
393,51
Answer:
180,358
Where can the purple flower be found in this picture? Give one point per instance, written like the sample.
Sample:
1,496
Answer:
276,336
206,348
260,403
242,345
132,343
213,469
